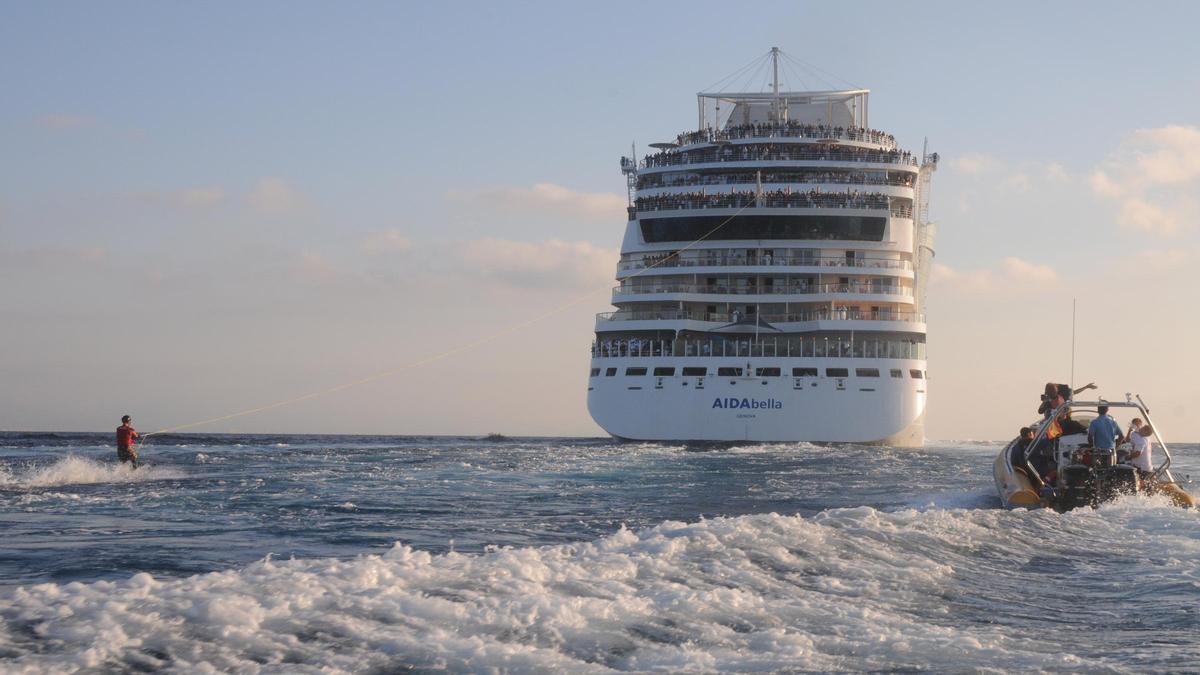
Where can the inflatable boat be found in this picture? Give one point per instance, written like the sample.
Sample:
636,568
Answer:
1058,468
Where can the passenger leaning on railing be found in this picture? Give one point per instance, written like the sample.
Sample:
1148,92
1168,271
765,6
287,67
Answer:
782,198
789,128
650,181
777,152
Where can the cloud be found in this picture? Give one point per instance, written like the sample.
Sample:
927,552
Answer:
548,198
1017,182
1168,155
1103,185
1010,275
1147,217
1056,172
1155,176
1160,260
273,196
974,162
64,122
547,264
387,241
313,267
1015,269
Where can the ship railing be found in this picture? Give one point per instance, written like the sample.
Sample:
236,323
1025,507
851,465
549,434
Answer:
652,181
896,211
799,316
748,154
728,258
801,288
815,132
817,347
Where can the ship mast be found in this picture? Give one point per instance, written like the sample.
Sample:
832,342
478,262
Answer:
775,82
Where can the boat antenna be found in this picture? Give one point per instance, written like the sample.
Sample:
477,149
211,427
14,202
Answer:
1072,343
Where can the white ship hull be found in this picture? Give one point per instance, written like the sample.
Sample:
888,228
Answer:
883,410
772,279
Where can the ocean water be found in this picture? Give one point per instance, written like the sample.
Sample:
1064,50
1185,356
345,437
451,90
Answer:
295,554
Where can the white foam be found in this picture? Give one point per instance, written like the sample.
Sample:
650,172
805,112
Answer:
775,448
848,589
73,470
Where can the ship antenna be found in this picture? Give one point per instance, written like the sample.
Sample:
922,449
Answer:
1072,343
775,81
775,71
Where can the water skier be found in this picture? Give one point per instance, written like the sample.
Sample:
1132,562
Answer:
126,435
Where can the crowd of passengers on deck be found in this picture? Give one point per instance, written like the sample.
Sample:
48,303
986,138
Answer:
740,257
842,313
783,198
750,286
850,177
788,128
773,152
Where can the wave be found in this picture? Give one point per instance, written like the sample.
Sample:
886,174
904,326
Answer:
74,470
846,589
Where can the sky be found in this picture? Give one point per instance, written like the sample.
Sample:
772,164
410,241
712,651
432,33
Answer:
209,207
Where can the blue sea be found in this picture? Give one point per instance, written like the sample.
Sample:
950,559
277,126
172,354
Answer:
329,554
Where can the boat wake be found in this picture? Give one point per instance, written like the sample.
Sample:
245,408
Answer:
855,588
77,470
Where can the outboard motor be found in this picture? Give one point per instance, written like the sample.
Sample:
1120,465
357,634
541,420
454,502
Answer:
1079,487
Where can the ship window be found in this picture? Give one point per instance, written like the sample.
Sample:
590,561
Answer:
635,371
610,372
837,372
664,372
846,228
595,372
916,374
896,372
866,372
766,372
804,372
729,372
695,372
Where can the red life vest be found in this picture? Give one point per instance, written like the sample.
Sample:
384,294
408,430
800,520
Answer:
125,436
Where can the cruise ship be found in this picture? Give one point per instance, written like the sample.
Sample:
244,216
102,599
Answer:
771,285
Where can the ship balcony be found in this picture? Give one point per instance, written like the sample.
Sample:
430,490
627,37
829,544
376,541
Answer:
771,132
801,157
826,203
781,186
797,292
825,319
824,176
701,260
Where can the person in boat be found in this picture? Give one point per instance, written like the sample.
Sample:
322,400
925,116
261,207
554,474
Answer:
1103,433
1139,439
1068,425
1054,395
126,436
1018,459
1041,456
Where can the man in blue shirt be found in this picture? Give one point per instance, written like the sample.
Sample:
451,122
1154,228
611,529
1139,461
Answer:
1103,432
